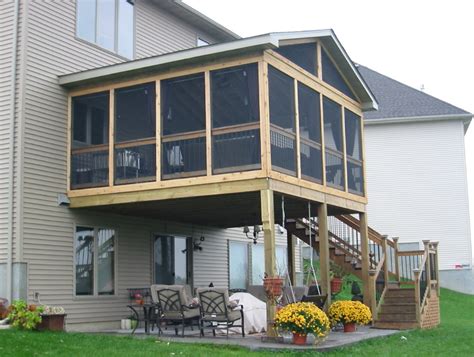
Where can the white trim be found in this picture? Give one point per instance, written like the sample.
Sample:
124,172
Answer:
416,119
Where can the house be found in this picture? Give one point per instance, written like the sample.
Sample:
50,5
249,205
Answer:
416,174
136,137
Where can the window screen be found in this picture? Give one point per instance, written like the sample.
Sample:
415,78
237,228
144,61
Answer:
354,152
333,143
282,121
182,105
304,55
332,76
90,137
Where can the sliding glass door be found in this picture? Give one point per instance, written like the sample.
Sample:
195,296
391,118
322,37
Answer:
172,260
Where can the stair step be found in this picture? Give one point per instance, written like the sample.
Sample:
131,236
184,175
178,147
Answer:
397,292
396,316
396,325
396,308
398,299
339,252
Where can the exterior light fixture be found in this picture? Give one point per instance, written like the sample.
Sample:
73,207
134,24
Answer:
256,230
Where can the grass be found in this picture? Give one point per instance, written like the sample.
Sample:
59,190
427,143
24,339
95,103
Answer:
454,337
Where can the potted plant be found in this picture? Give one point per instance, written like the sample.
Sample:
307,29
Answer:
52,318
349,313
24,316
336,274
301,318
273,286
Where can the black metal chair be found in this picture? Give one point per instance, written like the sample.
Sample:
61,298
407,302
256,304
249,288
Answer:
216,310
174,307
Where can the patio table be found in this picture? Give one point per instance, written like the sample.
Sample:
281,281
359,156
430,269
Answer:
147,315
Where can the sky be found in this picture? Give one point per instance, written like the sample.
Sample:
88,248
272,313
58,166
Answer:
420,43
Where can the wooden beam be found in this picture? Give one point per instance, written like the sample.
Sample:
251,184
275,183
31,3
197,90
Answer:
264,117
297,126
268,222
111,137
364,247
210,189
324,250
207,95
158,130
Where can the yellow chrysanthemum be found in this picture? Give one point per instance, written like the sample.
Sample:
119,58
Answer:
345,311
304,318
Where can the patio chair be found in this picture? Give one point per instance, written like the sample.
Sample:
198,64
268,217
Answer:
216,310
174,307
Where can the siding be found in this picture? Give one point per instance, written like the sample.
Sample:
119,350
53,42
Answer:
6,53
47,230
417,185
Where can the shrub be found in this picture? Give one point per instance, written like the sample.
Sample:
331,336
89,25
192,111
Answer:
24,316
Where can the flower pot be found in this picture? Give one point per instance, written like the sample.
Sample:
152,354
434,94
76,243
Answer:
273,286
299,339
336,285
350,327
52,322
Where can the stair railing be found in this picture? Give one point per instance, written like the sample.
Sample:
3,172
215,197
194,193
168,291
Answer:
379,279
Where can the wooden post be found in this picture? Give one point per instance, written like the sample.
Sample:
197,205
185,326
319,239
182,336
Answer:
364,248
426,243
395,252
324,250
435,247
416,273
385,261
291,256
371,299
268,222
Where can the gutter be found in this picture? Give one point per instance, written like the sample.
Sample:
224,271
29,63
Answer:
11,153
464,117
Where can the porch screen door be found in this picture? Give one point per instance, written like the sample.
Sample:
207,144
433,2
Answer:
172,260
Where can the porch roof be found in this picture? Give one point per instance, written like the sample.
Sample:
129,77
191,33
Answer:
240,46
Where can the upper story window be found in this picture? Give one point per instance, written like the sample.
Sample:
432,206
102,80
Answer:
332,76
201,42
107,23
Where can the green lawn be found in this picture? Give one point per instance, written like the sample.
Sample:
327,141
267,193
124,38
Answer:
455,337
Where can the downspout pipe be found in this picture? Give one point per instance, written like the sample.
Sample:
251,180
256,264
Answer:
11,153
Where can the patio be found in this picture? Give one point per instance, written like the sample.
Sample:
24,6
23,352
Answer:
257,341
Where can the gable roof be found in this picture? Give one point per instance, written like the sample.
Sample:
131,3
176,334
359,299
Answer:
240,46
401,103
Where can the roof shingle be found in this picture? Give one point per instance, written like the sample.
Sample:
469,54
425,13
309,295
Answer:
397,100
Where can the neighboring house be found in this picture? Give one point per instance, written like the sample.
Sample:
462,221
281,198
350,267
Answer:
416,174
122,143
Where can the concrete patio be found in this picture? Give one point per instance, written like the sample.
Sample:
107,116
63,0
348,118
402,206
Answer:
334,340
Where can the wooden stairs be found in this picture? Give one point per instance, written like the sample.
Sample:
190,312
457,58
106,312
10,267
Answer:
397,310
393,307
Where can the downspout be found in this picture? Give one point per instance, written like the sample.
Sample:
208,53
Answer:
11,154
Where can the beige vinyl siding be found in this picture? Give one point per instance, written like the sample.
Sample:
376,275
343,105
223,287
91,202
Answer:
6,45
417,185
47,229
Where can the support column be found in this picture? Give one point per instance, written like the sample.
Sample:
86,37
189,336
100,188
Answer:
426,243
364,248
268,223
324,250
291,256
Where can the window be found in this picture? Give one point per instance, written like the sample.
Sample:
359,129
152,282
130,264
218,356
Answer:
135,132
333,143
282,121
235,119
332,76
107,23
90,137
310,133
238,265
258,262
183,126
201,42
304,55
354,152
94,261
